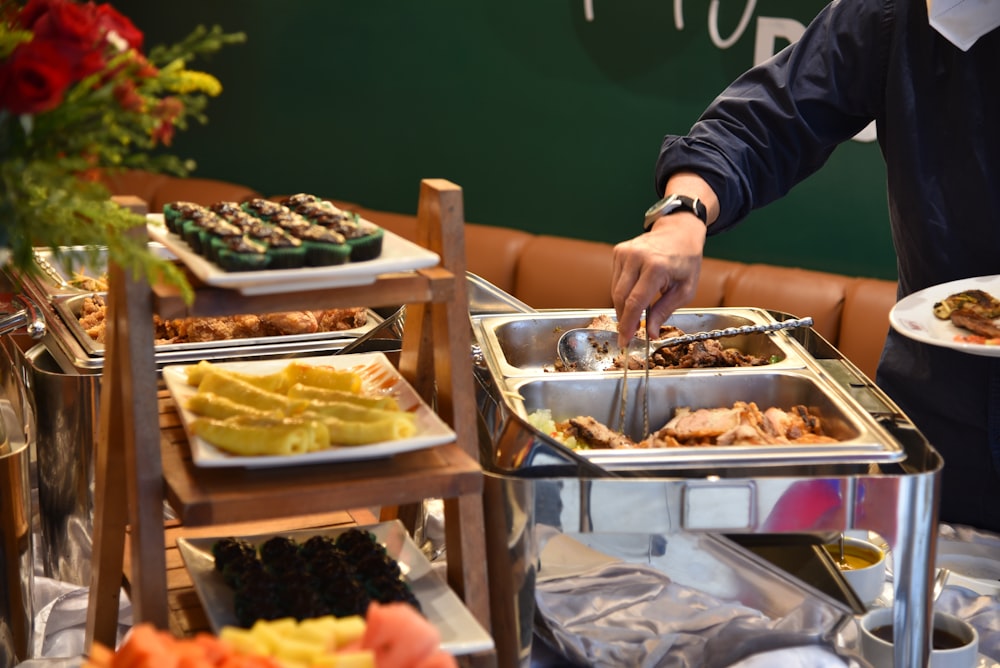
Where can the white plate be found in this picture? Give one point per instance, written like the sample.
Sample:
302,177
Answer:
460,632
431,430
913,316
398,254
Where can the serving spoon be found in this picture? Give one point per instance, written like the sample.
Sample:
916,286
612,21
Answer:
587,349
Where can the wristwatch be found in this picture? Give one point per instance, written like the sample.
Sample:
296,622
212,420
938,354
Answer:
672,203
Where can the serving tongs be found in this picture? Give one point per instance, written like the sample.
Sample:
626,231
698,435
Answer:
588,349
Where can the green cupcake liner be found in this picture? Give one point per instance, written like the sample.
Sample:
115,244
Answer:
367,247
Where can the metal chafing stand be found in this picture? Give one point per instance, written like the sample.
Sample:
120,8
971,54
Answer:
897,500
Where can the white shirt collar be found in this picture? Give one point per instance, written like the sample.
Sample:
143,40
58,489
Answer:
962,22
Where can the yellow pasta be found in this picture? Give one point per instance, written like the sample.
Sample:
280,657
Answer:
249,435
300,391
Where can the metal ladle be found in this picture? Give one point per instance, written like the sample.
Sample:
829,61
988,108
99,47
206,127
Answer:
587,349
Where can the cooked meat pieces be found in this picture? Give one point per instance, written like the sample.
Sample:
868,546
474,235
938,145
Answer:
975,322
698,355
291,322
743,423
605,322
702,355
976,301
92,314
195,330
595,434
339,319
687,424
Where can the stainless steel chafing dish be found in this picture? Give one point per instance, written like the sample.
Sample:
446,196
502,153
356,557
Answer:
55,290
537,488
519,351
525,344
859,438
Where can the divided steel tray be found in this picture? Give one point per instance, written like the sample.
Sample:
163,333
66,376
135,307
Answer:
519,352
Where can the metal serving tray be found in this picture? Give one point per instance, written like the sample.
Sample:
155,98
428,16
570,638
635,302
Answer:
521,345
55,281
860,438
69,310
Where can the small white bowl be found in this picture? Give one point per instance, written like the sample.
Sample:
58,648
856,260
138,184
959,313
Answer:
879,652
867,572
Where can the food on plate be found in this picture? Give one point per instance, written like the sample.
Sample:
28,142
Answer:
223,384
361,236
741,424
390,635
293,373
299,408
149,647
974,311
698,355
93,320
323,575
311,642
976,301
325,377
262,434
303,391
978,324
301,231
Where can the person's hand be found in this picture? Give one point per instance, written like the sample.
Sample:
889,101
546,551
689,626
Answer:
656,271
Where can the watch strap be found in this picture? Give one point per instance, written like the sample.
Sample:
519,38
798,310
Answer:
675,202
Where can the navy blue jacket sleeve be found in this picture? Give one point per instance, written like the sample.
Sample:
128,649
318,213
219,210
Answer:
780,121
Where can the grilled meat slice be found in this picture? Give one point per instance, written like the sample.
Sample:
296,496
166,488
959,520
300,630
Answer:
977,301
705,423
596,435
975,322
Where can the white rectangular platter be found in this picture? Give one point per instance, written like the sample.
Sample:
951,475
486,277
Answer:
460,632
398,254
379,376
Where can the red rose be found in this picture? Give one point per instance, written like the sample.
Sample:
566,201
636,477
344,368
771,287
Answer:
69,22
110,20
34,79
72,29
34,10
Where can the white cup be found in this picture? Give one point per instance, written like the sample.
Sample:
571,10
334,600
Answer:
879,652
866,567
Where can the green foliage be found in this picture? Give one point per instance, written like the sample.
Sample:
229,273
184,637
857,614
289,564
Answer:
118,117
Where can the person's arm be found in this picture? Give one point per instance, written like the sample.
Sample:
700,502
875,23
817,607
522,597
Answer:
769,130
658,271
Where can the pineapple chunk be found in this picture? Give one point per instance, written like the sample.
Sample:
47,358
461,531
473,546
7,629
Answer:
320,630
244,641
349,629
272,633
363,658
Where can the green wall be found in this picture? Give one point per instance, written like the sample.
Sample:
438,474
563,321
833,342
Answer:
549,121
